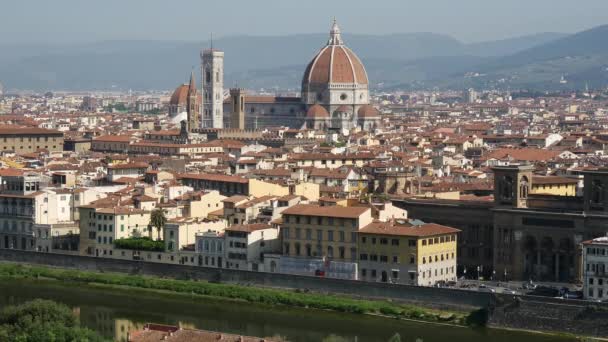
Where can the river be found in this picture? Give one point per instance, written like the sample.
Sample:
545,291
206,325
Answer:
113,313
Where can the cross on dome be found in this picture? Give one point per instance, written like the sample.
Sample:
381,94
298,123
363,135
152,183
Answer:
335,37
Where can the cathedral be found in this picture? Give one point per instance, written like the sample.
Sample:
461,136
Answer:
334,95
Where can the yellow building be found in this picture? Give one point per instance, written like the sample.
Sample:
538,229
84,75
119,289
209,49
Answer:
259,188
400,252
100,227
29,139
314,231
554,185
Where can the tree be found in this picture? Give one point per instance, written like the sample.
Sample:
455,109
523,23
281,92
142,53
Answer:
158,220
42,320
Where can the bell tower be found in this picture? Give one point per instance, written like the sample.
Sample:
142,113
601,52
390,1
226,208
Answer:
512,185
212,70
237,98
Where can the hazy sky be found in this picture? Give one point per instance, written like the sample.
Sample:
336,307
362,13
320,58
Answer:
468,20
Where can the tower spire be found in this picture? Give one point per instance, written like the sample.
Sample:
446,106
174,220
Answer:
335,37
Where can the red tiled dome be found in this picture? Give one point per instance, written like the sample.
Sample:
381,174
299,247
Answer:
180,96
317,111
335,63
367,111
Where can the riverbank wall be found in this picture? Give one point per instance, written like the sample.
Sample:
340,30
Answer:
516,312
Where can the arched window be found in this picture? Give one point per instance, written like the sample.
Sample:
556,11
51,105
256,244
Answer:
524,187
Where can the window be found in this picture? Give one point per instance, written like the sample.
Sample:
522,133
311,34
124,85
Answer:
319,235
411,243
341,236
363,239
373,241
363,272
412,259
373,273
308,234
286,233
383,258
395,274
384,241
590,281
353,237
330,235
395,259
424,242
298,232
395,242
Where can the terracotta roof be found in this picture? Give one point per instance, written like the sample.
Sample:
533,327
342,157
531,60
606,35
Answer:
158,332
407,229
315,210
214,177
248,228
129,166
553,180
114,138
15,130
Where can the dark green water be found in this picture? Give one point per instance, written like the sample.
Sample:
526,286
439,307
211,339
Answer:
114,312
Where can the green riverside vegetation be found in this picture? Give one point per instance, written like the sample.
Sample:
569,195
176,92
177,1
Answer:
43,320
140,244
248,294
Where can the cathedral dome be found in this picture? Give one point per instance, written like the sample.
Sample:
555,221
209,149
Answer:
180,96
367,111
335,63
317,111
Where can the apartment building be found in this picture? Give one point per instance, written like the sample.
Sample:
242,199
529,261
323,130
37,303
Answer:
407,252
247,244
210,248
29,139
100,226
25,201
595,269
313,231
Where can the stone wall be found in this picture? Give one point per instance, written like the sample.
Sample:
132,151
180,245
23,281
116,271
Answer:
429,296
522,312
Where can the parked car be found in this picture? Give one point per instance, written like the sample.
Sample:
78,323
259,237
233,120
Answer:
509,291
529,285
573,295
486,289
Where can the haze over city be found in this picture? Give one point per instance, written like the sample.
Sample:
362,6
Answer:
31,21
281,171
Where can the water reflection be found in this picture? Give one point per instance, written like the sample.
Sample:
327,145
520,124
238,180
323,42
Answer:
114,313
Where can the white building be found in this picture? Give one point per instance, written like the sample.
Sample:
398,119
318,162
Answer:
595,269
247,244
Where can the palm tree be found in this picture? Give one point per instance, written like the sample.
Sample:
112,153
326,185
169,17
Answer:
158,220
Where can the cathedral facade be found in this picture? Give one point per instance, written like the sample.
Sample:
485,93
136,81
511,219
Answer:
334,95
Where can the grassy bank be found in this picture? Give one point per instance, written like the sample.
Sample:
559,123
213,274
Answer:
242,293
